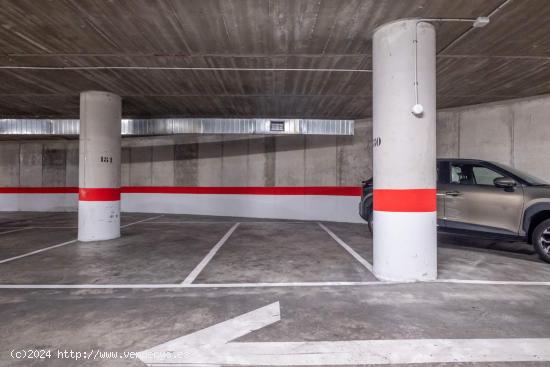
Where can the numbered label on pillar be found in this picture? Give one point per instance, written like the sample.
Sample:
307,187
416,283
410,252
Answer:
106,159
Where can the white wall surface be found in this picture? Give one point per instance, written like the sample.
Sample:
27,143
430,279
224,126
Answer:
299,207
38,202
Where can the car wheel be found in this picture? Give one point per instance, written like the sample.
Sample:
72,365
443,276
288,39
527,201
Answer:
369,218
541,240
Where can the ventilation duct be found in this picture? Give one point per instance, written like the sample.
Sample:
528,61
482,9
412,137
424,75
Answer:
149,127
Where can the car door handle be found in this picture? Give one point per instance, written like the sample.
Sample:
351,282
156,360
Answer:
452,193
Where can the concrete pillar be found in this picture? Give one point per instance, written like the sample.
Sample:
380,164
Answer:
99,166
404,148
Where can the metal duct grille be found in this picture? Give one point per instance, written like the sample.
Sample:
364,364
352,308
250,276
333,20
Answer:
144,127
38,127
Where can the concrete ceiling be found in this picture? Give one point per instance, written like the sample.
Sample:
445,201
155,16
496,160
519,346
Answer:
507,59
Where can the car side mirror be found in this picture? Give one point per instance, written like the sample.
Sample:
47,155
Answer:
505,182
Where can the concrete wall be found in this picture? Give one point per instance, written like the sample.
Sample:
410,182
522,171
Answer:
516,133
195,160
248,160
203,161
39,164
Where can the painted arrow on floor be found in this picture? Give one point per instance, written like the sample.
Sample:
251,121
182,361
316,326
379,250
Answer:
213,346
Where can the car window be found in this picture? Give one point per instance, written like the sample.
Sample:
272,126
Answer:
471,174
461,175
485,176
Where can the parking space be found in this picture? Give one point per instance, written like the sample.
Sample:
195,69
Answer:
465,257
280,252
145,254
171,276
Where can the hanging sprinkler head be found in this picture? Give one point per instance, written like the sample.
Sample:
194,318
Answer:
417,110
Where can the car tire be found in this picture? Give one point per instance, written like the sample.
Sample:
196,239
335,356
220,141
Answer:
369,218
541,240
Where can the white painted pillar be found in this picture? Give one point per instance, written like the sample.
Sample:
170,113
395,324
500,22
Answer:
404,158
99,166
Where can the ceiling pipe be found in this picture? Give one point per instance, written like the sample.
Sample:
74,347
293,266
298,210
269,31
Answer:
491,14
479,22
7,67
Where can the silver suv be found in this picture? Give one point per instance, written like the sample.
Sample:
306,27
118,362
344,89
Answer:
486,198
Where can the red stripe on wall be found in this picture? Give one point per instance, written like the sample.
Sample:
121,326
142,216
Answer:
309,190
99,194
411,200
86,193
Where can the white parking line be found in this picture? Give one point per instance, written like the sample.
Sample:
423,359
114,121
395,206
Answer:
192,222
193,275
37,251
15,230
224,222
351,251
63,244
264,285
141,221
487,282
54,227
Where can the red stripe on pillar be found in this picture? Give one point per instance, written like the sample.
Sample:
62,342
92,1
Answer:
101,194
410,200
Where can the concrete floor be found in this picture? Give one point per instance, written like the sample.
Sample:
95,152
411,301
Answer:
125,294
